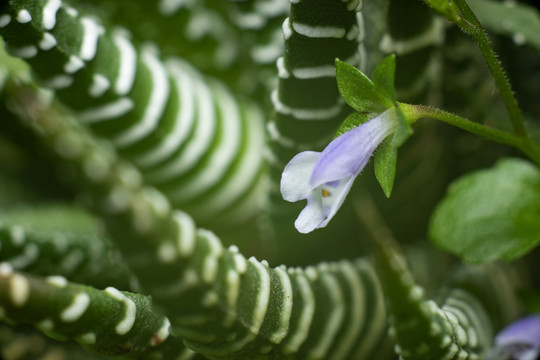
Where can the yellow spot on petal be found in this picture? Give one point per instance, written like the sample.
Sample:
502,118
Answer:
326,193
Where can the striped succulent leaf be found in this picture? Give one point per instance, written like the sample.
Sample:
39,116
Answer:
413,38
264,18
33,241
107,321
461,325
307,103
260,24
191,138
222,304
198,31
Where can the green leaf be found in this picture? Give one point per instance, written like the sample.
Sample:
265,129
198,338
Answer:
358,90
352,121
51,218
490,214
385,165
383,77
520,21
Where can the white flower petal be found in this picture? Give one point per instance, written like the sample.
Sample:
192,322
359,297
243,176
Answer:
311,217
335,199
529,355
295,177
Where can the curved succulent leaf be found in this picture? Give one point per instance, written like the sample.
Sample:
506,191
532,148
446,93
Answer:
107,321
312,43
461,325
222,304
57,239
194,140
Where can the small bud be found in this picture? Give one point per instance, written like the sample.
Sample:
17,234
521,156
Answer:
447,8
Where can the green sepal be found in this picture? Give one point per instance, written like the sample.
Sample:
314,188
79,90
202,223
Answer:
385,165
358,90
403,130
383,77
490,214
352,121
386,155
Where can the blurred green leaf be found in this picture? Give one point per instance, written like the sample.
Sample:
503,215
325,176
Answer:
358,90
51,217
520,21
530,299
490,214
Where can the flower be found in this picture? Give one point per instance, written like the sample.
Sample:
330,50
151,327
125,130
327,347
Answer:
325,178
518,341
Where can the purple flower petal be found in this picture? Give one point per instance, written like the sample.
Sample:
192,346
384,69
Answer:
518,341
295,178
349,153
526,330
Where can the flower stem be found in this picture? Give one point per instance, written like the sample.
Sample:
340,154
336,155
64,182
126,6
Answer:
470,25
525,144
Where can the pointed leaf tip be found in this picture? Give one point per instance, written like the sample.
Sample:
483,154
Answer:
358,90
383,77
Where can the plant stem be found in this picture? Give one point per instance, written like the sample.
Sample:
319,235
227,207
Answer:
470,25
523,143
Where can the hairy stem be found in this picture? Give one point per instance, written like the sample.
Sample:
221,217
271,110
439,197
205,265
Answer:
523,143
470,25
